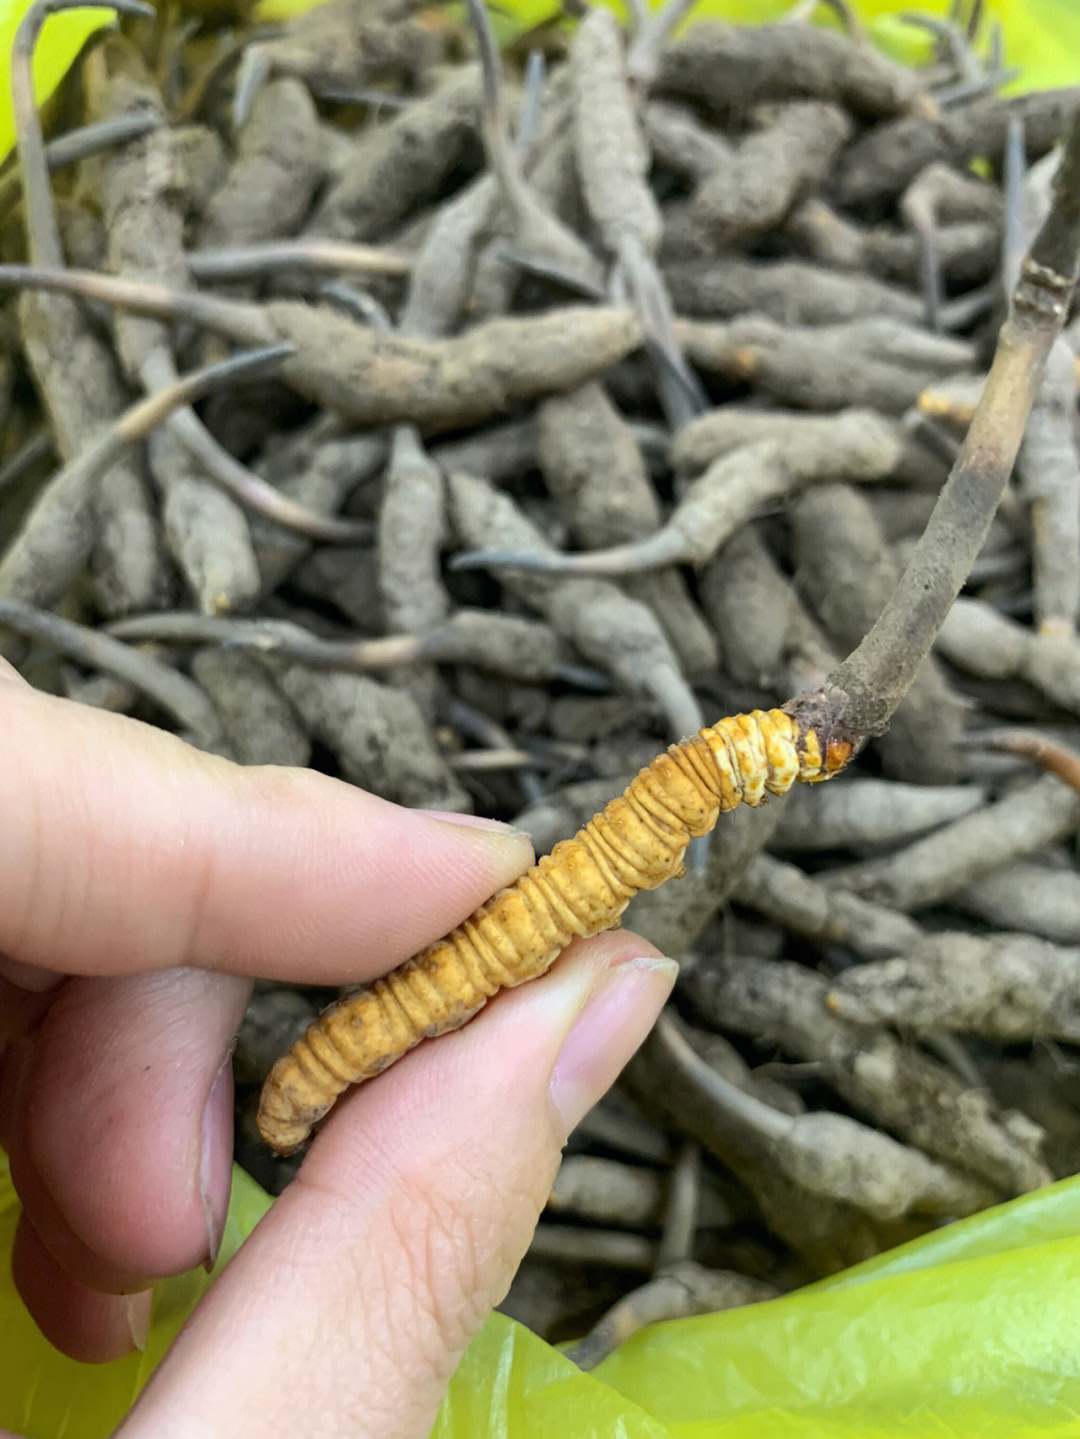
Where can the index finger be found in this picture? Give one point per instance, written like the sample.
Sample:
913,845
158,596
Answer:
122,848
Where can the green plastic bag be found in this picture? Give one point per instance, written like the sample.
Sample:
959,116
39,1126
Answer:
44,1395
62,37
972,1331
1041,37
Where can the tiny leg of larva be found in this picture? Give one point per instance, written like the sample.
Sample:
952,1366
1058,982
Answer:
582,887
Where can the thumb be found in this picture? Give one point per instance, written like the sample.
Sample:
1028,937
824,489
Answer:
348,1309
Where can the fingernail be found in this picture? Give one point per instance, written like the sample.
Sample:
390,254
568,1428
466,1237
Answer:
619,1012
138,1309
215,1158
28,976
472,821
508,849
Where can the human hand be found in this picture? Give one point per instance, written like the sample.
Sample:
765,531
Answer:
141,885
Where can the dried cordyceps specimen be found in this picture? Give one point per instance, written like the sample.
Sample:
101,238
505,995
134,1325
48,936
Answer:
901,1088
792,291
612,159
929,869
1050,482
370,378
811,908
73,368
795,148
198,720
612,165
45,555
540,237
1008,986
582,887
262,727
606,1191
845,570
342,47
827,1234
1038,894
729,68
981,640
389,170
882,363
829,1155
281,159
866,813
770,639
966,251
142,193
884,160
607,626
678,140
856,443
378,733
594,468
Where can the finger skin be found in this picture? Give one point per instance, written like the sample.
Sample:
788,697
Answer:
349,1307
109,1151
88,1326
123,849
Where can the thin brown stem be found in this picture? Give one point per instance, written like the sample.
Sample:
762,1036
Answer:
79,144
42,229
540,232
1056,758
236,262
281,638
859,698
236,319
175,693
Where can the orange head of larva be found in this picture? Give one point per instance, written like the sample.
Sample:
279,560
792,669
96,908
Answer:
837,754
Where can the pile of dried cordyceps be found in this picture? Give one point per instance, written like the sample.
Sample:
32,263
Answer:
599,393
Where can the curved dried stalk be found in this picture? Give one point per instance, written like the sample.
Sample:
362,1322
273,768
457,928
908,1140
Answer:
64,505
1055,758
177,695
581,888
308,253
42,229
541,233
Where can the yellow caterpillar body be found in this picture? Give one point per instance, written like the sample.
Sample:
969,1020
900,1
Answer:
582,887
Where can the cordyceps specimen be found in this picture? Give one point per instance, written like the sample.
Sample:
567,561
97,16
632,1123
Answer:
580,888
638,840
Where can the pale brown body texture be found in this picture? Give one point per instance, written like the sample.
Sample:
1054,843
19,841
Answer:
582,887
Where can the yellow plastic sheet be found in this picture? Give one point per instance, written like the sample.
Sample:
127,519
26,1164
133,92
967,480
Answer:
973,1331
62,37
970,1332
1041,37
44,1395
